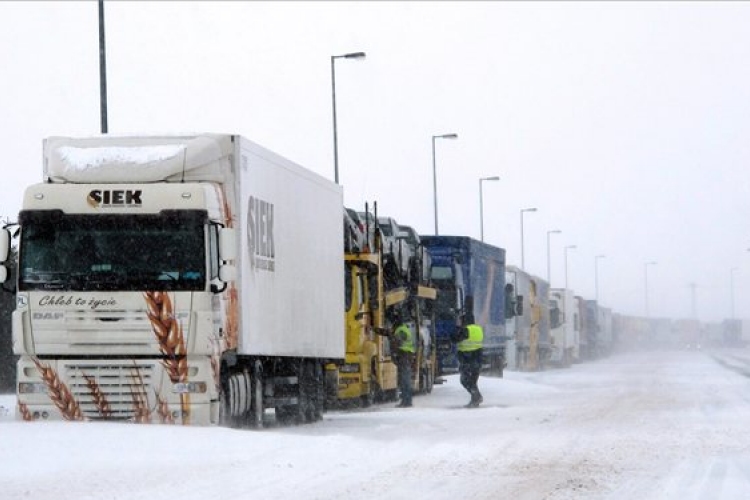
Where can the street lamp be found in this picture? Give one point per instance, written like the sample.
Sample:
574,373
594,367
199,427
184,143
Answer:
569,247
731,291
351,55
553,231
102,70
481,205
522,212
645,284
434,174
596,276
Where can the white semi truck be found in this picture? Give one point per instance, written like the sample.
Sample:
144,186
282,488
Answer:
186,279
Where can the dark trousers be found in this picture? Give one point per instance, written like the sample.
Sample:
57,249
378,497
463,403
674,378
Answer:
470,364
403,362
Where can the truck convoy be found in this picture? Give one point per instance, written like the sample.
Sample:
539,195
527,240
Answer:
203,279
469,276
182,279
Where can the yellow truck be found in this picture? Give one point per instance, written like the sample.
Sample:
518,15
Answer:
374,292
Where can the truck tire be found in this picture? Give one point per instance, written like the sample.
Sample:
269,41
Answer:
257,408
319,403
372,394
308,391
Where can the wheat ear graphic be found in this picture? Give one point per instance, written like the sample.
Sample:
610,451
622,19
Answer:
25,413
171,342
168,333
100,399
59,392
141,412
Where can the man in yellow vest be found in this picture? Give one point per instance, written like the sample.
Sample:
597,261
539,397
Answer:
469,338
403,354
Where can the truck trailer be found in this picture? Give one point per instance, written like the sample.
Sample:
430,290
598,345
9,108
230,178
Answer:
179,279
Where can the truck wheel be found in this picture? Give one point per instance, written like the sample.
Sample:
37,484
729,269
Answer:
320,391
225,415
257,408
232,402
372,393
287,414
308,391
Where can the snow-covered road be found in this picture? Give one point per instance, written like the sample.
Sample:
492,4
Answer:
658,425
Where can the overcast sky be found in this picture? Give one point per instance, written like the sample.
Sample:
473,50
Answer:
627,125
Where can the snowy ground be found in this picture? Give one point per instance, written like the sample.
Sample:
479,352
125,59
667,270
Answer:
660,425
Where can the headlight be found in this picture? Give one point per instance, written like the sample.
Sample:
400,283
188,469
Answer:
189,388
349,368
32,388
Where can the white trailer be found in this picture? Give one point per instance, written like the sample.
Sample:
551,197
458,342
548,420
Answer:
188,279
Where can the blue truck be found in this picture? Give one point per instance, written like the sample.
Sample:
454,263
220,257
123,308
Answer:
469,276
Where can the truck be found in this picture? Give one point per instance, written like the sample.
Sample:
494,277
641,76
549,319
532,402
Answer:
591,347
177,279
469,276
378,290
564,327
528,326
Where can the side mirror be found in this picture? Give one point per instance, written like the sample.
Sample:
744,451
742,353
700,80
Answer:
227,243
4,244
227,273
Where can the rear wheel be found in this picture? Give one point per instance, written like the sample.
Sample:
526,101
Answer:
319,402
257,408
373,393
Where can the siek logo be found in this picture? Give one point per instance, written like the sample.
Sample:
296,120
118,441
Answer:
103,198
260,241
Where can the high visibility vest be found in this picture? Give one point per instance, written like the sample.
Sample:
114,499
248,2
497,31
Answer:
474,342
404,334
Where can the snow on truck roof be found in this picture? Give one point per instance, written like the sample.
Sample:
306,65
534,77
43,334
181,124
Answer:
112,159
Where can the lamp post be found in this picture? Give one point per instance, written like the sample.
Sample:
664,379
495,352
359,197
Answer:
102,70
549,276
351,55
569,247
434,174
481,205
523,210
645,284
596,276
731,292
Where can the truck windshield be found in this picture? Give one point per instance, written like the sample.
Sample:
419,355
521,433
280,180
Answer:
77,252
446,305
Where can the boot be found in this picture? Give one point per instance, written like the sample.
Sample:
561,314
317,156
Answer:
476,399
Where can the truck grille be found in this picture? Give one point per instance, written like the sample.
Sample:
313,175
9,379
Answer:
119,390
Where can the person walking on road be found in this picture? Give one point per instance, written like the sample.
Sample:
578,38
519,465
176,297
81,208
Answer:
469,339
403,338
